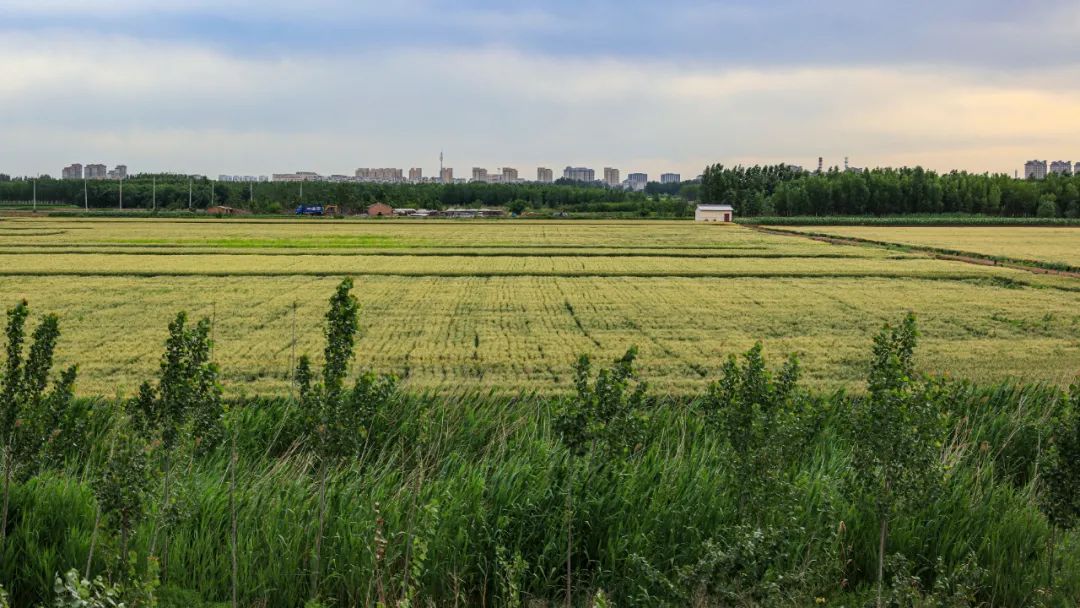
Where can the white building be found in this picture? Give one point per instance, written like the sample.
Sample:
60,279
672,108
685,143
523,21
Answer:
299,176
1061,167
714,213
385,174
1035,169
670,178
637,181
544,175
611,176
579,174
73,171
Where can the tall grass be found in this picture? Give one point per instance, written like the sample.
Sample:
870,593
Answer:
479,480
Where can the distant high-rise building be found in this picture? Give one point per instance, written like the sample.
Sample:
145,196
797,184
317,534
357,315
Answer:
820,164
95,172
416,174
611,176
509,175
120,172
479,174
579,174
670,178
544,175
637,181
1061,167
446,175
73,171
386,174
1035,169
1076,169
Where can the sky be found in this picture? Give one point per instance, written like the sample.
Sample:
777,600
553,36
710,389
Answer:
267,86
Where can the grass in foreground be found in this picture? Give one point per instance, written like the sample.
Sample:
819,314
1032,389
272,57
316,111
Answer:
754,492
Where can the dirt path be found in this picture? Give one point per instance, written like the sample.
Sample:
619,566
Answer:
969,258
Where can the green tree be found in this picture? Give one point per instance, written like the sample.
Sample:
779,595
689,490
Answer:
606,416
338,421
123,485
1047,206
897,433
23,397
753,408
184,407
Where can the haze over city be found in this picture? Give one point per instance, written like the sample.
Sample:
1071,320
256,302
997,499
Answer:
248,87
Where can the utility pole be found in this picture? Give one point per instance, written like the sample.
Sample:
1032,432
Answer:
211,203
154,193
85,196
35,196
189,194
121,194
301,191
251,194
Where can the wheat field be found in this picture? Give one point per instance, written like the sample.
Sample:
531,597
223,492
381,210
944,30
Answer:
508,306
1037,244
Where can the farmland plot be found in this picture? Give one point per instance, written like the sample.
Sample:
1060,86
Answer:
510,305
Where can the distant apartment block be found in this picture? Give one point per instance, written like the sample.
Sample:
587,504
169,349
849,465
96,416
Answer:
446,175
670,178
380,175
73,171
299,176
479,174
509,175
1076,169
95,172
611,176
579,174
544,175
242,178
1061,167
416,174
1035,169
637,181
120,172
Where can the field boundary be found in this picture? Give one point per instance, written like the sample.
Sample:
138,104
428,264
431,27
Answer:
435,254
969,257
916,221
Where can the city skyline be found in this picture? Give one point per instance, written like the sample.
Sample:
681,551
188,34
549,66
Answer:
248,88
1037,169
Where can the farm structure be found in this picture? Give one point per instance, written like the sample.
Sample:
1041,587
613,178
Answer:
714,213
223,210
380,210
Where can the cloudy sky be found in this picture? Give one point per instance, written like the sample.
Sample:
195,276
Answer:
263,86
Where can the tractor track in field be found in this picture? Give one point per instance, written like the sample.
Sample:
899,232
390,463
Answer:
967,257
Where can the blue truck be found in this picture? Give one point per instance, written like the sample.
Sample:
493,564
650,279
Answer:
309,210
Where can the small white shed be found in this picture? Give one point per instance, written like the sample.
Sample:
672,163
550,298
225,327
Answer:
714,213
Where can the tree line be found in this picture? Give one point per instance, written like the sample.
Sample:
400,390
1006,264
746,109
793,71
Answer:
177,192
921,492
784,190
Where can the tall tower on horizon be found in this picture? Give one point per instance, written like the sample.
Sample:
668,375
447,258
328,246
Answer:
440,166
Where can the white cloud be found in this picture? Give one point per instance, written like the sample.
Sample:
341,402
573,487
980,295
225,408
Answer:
187,108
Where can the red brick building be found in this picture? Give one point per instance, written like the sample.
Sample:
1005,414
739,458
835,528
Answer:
380,210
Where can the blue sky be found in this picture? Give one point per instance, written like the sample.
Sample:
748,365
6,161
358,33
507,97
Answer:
327,85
